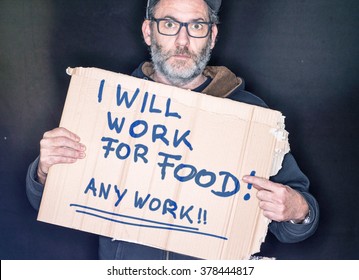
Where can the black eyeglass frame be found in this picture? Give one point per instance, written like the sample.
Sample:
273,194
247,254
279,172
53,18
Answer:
185,24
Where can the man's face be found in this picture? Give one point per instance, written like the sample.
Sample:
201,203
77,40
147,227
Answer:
180,58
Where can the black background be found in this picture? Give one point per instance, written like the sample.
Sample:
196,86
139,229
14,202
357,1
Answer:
300,56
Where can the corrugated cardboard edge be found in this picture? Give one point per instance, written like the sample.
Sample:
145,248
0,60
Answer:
281,148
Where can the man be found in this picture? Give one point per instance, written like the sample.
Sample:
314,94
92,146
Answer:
181,35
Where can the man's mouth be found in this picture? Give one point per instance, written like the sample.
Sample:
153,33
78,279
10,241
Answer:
182,56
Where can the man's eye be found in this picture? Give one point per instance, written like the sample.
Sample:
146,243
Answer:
196,26
170,24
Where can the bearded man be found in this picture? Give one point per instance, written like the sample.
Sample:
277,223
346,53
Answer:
181,35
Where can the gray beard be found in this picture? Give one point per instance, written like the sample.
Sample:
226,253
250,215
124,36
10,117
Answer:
175,73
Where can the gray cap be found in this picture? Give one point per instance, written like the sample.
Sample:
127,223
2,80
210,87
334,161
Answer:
213,4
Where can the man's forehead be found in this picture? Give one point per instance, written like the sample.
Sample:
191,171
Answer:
184,9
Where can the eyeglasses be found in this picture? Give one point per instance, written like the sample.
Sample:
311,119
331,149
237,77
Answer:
171,27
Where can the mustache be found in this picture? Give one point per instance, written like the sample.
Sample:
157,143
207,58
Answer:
182,51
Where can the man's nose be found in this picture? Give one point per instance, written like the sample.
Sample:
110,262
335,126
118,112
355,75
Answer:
182,38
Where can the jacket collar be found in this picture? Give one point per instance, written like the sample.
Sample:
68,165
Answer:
223,82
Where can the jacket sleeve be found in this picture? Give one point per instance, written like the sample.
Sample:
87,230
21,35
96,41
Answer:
292,176
34,189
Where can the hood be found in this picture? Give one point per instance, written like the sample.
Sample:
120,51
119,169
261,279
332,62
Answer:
224,81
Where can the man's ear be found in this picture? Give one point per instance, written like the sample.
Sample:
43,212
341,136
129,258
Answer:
214,35
146,31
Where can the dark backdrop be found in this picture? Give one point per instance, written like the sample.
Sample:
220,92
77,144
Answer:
300,56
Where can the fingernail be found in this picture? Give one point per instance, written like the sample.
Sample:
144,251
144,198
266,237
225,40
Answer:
246,178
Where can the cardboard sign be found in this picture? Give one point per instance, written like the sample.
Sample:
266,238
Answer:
164,166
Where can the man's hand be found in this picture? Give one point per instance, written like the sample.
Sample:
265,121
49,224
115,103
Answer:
58,146
279,202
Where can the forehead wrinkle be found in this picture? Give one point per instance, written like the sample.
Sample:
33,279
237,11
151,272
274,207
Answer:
192,20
